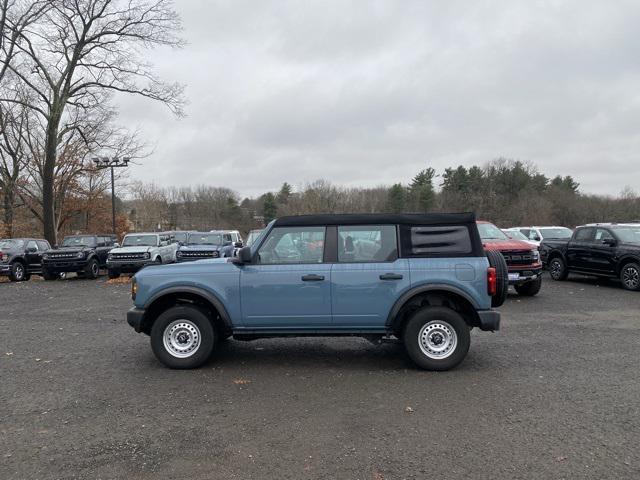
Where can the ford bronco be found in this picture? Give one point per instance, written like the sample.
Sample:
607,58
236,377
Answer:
424,280
139,250
83,254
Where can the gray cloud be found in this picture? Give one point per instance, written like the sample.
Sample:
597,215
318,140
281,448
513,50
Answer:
368,93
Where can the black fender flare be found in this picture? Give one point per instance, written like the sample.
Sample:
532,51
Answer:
431,287
206,295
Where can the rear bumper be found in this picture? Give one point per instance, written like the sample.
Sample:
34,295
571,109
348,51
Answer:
135,317
489,320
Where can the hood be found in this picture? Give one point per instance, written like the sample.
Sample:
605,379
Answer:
136,249
507,245
209,265
200,248
69,249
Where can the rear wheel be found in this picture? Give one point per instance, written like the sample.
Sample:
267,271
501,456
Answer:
183,337
497,261
92,270
529,289
558,269
436,338
630,276
18,272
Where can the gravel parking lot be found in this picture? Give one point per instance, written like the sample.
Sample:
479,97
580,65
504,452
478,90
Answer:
554,394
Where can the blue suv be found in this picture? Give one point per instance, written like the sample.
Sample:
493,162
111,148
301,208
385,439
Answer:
203,245
422,279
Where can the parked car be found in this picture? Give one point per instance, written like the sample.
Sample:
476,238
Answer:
82,254
251,237
607,251
179,236
538,234
139,250
523,260
202,245
515,234
22,257
427,283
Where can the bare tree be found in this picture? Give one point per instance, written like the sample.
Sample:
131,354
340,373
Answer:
72,62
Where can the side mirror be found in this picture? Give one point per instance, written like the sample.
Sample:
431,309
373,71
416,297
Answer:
116,245
238,244
244,255
32,249
537,238
609,241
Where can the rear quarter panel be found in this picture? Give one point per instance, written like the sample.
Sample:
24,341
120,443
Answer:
466,274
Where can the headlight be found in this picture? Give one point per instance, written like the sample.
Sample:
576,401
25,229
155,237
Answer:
110,257
45,256
178,253
147,255
536,255
134,288
80,254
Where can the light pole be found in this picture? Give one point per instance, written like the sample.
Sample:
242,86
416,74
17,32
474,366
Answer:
106,162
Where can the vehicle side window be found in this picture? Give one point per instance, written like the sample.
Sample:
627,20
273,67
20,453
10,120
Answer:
533,235
103,241
377,243
42,245
437,241
227,237
293,245
526,232
32,244
602,234
584,235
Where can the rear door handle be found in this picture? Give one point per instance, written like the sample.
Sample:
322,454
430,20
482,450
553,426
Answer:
390,276
312,277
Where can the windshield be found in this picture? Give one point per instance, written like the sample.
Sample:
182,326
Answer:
560,233
140,241
628,234
489,231
180,237
79,241
10,244
205,239
516,235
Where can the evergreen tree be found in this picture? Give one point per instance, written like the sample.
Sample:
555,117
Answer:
269,207
422,191
396,199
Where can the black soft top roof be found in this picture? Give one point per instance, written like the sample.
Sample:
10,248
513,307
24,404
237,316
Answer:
377,219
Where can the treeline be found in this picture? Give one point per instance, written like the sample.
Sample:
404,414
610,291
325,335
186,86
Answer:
504,191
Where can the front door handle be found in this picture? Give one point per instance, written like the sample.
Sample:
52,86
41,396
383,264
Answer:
390,276
312,277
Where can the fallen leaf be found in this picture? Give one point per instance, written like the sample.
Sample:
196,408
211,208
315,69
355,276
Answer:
560,459
241,381
37,359
9,354
408,410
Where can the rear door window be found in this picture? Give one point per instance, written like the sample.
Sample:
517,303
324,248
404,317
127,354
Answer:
376,243
584,235
438,241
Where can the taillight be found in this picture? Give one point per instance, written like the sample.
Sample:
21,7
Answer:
492,281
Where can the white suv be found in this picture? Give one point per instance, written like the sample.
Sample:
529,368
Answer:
537,234
139,250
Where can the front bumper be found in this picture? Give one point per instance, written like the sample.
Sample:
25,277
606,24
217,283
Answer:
519,274
135,317
5,269
128,266
489,320
66,266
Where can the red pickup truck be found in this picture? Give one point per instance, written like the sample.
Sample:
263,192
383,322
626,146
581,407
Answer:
523,260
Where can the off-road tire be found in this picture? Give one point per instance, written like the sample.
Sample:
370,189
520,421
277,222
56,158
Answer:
194,320
440,319
558,269
529,289
497,261
92,269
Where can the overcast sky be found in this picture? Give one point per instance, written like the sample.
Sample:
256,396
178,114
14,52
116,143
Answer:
371,92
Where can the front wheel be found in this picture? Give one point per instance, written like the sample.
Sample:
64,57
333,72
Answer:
558,269
529,289
183,337
630,276
436,338
92,269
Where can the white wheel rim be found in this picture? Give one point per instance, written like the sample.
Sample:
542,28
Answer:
437,339
631,277
181,338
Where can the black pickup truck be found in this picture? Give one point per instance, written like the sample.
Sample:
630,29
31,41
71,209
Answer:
22,257
607,250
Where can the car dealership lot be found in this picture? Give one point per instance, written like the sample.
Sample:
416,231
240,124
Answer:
554,394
